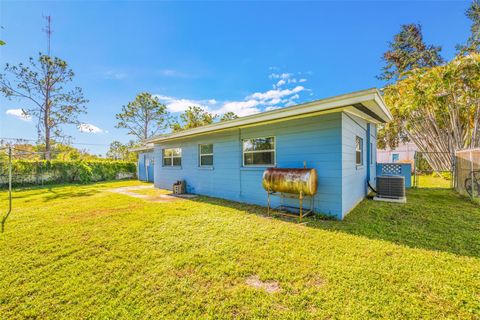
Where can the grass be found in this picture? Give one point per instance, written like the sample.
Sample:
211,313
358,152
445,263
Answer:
83,252
433,181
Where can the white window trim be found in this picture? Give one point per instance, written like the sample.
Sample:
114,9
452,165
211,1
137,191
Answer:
361,151
171,157
258,151
200,154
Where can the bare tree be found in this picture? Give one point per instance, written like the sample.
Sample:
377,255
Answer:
43,84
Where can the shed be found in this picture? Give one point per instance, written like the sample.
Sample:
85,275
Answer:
336,136
145,162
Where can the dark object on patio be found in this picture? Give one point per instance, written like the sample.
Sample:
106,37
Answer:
179,187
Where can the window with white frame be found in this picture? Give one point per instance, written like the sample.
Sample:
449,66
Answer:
259,151
205,155
172,157
359,151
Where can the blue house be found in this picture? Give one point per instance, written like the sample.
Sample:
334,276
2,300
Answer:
336,136
145,162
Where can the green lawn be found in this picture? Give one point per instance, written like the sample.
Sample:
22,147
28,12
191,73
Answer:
83,252
432,181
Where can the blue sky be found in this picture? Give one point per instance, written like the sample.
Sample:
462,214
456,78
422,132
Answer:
242,57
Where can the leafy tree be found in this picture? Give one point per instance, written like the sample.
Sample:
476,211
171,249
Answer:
42,84
408,51
193,117
2,43
144,117
120,151
438,109
228,116
473,42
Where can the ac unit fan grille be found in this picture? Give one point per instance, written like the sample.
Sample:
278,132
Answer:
391,187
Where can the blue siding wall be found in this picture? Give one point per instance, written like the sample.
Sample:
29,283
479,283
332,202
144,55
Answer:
145,166
316,140
354,177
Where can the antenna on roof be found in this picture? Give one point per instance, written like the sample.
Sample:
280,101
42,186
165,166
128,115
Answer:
48,31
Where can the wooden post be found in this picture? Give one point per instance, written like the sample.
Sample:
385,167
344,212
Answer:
415,170
4,219
472,176
268,207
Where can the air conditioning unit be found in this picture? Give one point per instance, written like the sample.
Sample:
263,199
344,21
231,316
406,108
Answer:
391,188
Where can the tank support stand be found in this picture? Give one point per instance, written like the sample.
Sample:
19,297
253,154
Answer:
282,209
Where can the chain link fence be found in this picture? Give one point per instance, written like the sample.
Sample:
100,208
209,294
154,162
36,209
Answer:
425,176
467,173
27,169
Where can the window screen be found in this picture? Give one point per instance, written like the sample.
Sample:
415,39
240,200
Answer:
172,157
359,150
259,151
206,155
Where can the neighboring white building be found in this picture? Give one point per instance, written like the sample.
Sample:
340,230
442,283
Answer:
405,152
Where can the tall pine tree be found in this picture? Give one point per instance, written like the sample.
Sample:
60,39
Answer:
408,51
473,42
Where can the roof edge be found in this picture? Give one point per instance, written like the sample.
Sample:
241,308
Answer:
324,104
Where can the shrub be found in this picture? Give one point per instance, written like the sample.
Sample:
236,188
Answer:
28,172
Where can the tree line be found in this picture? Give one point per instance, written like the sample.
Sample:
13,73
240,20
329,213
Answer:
44,84
146,116
435,103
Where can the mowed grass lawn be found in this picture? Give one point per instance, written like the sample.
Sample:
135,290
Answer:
81,251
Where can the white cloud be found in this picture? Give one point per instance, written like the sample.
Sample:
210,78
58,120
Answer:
251,104
291,100
89,128
19,113
174,73
114,75
284,75
302,80
179,105
271,108
241,108
269,95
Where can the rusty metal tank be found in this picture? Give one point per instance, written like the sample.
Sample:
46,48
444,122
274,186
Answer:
291,180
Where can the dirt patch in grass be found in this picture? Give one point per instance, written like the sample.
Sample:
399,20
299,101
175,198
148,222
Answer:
268,286
149,193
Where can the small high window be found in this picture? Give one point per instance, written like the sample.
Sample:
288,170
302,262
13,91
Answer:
259,151
172,157
395,157
206,155
359,151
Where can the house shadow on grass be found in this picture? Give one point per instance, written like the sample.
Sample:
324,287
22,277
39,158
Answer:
56,195
432,219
